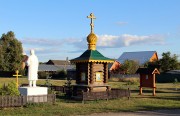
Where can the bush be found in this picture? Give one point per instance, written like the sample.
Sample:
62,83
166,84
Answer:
130,81
10,89
42,75
59,75
55,75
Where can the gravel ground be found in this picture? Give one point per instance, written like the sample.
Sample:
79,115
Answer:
174,112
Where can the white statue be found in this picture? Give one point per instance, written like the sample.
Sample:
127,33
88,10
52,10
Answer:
33,64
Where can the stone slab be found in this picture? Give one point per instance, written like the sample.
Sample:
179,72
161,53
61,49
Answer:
33,91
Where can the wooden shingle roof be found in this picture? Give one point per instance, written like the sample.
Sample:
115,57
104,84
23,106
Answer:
92,56
147,71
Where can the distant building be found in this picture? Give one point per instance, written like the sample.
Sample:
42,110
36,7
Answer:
141,57
61,64
52,67
48,68
174,72
58,62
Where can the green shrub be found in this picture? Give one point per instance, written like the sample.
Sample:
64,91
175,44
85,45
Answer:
42,75
3,90
10,89
130,81
59,75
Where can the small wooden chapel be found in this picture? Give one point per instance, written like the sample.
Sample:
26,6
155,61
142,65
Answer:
91,67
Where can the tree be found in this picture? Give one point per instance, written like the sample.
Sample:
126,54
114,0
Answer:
11,52
169,62
129,67
154,64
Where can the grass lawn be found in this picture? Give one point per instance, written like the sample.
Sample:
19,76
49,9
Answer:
166,98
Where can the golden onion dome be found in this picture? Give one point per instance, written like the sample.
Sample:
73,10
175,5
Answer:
92,38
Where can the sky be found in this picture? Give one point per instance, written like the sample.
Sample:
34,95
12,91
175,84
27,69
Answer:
57,29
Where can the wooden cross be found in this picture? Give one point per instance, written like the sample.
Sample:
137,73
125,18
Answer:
16,75
91,16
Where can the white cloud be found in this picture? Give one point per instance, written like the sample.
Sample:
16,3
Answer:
47,46
128,40
35,41
122,23
73,45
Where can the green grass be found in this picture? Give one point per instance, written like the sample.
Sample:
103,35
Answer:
166,98
25,81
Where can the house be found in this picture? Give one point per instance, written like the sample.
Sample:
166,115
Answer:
58,62
141,57
47,68
61,64
53,70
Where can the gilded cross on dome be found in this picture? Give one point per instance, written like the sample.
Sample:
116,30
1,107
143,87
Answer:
92,17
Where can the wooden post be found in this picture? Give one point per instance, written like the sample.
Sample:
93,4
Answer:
16,75
92,73
154,85
88,74
140,90
140,87
105,72
129,93
154,91
77,73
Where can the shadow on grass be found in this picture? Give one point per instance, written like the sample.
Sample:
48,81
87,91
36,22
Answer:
157,91
170,92
177,98
157,111
67,99
165,95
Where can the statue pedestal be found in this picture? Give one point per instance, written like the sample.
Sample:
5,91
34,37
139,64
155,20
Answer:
34,94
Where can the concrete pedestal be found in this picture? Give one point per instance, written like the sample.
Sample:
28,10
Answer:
34,94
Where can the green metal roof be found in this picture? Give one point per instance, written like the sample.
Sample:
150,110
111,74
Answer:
92,56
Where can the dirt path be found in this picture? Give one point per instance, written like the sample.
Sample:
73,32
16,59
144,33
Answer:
175,112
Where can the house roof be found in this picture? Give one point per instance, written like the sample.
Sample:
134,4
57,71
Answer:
92,56
58,62
147,71
141,56
174,72
45,67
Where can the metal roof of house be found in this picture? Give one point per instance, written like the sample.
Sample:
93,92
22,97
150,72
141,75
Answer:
45,67
141,57
174,72
58,62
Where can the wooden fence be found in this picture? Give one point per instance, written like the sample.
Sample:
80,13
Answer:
17,101
114,93
117,93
